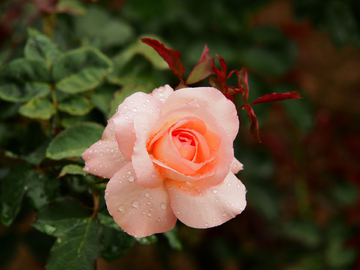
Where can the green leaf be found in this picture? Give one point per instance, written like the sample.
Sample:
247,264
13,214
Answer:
24,79
303,231
173,238
72,169
147,240
75,105
102,97
38,155
72,6
38,108
81,70
146,51
78,249
40,47
73,141
43,188
122,94
338,256
60,216
345,193
116,243
105,30
108,221
13,188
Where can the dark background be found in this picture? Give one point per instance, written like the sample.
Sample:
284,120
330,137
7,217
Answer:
303,180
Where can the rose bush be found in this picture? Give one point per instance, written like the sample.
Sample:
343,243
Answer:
169,155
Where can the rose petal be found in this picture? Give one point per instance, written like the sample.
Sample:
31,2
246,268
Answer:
203,208
223,109
236,166
147,175
103,158
138,211
220,146
163,92
124,119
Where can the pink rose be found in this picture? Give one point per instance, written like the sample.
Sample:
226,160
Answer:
169,155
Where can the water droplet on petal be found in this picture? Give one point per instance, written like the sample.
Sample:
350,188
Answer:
121,208
147,194
131,178
215,191
128,172
229,184
135,204
149,214
163,206
178,212
158,219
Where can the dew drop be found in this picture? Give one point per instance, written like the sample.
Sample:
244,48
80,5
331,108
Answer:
121,208
135,204
215,191
134,110
224,214
238,186
229,184
147,194
128,172
163,206
151,209
149,214
131,178
159,220
178,212
148,203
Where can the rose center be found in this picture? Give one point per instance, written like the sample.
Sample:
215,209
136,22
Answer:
185,143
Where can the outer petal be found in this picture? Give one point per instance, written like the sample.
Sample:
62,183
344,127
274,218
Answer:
222,108
138,211
124,119
236,166
163,92
103,158
210,207
147,175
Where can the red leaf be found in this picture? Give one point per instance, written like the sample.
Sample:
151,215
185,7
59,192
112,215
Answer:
223,67
171,57
218,74
277,97
203,68
254,125
243,83
231,73
46,6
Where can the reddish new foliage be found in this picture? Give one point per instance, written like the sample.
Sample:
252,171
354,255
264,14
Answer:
277,97
206,67
203,68
171,57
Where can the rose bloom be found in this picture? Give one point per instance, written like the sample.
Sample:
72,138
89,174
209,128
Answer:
169,155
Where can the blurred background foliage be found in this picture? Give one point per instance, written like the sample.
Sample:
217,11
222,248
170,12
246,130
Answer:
303,179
